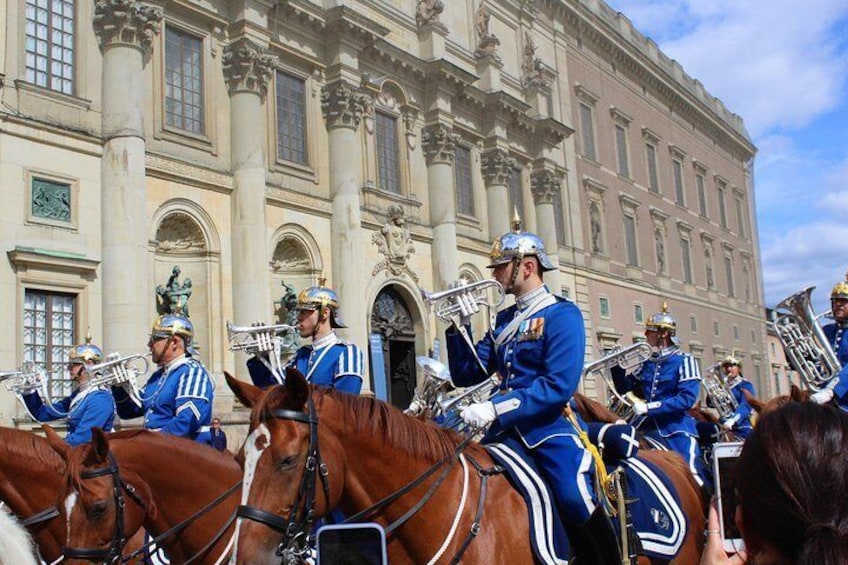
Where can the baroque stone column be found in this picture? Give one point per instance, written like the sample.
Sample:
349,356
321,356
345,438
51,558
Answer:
247,69
125,30
439,142
497,168
344,107
545,185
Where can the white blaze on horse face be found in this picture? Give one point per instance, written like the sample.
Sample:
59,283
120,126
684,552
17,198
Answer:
254,445
70,502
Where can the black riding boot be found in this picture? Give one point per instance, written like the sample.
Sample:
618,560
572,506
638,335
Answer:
595,542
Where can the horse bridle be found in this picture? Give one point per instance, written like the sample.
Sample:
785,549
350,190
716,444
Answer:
111,554
297,528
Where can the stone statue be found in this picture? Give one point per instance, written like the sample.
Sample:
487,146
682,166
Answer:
487,43
595,225
660,245
287,313
172,298
528,57
481,20
395,243
427,12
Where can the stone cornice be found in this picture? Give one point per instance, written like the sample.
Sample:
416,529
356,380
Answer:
247,67
547,130
403,63
343,105
496,166
126,22
658,215
346,22
450,74
439,143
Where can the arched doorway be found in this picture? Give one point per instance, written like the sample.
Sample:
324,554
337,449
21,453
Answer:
391,319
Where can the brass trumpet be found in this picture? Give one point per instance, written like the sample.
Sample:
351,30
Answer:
26,380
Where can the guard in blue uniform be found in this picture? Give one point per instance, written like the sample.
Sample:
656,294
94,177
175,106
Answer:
740,422
669,382
87,406
538,347
177,398
329,361
838,339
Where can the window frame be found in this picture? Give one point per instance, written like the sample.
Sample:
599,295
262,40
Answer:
621,150
588,139
277,119
201,67
48,55
394,125
653,167
604,304
462,148
52,366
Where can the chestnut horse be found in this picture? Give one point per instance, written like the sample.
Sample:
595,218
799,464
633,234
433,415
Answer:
350,452
796,394
163,480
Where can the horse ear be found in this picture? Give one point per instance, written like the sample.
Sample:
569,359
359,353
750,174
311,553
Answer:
99,443
756,404
797,394
297,387
245,392
57,443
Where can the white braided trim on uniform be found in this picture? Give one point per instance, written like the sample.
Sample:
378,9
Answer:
458,516
226,552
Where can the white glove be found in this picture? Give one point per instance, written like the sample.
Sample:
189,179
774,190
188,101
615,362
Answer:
822,396
478,415
414,409
729,423
640,408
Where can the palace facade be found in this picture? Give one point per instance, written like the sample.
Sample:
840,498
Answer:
384,143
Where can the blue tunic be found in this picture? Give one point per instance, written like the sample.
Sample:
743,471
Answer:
85,409
540,359
742,414
834,333
328,362
176,400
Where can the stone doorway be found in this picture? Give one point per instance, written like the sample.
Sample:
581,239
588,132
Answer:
391,319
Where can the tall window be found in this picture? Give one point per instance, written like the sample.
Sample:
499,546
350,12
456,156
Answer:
462,181
604,307
587,132
291,119
630,240
677,171
559,220
638,314
728,268
388,161
49,45
722,211
686,253
183,81
621,150
49,334
653,177
516,194
740,216
702,195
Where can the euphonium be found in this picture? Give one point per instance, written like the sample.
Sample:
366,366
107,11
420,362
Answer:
807,347
628,358
721,398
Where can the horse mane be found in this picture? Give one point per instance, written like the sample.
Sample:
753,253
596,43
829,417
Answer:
593,411
362,414
16,547
20,444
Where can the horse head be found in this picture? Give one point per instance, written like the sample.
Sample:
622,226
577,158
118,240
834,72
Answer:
286,477
101,505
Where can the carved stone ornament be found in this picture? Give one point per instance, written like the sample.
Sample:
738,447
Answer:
395,244
343,105
487,43
497,167
533,72
410,116
172,297
544,184
179,233
126,22
247,67
427,12
439,143
390,316
290,255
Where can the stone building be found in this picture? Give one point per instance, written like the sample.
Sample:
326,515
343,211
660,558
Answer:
382,142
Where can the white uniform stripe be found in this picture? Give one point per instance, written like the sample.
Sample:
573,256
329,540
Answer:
583,478
665,545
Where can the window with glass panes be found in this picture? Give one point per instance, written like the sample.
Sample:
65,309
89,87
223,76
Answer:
291,119
740,216
49,44
559,219
183,81
702,195
621,150
587,132
462,181
388,163
722,211
728,267
638,314
653,177
516,194
49,321
677,171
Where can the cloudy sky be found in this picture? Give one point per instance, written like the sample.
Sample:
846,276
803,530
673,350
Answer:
783,66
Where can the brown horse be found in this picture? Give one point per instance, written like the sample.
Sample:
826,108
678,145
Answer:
371,451
163,481
761,407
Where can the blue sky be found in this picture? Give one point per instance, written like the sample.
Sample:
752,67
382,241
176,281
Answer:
783,66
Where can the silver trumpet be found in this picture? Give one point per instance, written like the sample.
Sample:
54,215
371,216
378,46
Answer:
26,380
272,339
628,358
119,371
804,341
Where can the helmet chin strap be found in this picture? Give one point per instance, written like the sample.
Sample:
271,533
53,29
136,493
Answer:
321,318
516,264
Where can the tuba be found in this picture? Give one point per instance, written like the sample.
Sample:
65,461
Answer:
628,358
119,371
807,347
720,396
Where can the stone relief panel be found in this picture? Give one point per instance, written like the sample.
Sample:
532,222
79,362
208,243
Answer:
179,233
394,242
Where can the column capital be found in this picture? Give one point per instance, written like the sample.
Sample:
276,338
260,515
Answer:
126,22
544,184
496,166
438,142
343,105
247,67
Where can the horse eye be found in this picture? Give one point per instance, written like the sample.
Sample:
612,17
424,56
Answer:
287,462
98,509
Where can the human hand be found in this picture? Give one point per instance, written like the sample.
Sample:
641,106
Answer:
729,423
714,553
822,396
415,408
640,408
478,415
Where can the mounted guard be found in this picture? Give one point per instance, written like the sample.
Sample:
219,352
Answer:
736,419
837,338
